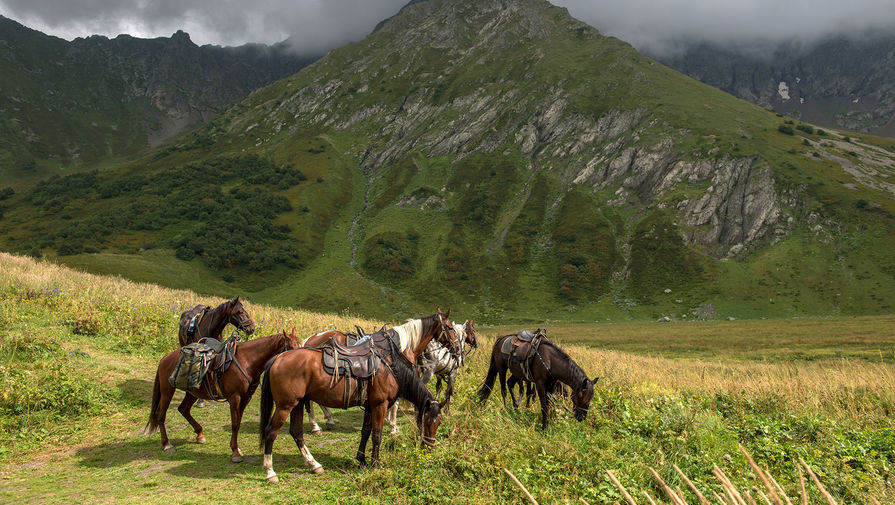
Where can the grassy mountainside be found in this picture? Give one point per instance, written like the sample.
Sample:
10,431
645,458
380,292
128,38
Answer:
76,104
78,355
504,158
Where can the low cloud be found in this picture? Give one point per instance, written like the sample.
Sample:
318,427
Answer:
317,25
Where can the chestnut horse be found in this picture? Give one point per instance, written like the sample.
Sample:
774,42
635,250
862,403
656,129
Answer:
548,365
297,377
237,385
210,323
411,339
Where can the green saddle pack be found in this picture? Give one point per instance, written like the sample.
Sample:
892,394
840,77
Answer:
195,360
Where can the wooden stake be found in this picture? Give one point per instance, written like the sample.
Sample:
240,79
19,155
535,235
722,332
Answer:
621,488
527,494
674,498
692,486
762,476
817,483
802,485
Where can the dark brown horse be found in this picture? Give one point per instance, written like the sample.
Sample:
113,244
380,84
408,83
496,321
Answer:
204,322
237,385
411,338
549,365
298,376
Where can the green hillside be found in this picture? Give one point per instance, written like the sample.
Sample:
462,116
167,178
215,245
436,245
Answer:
81,104
502,158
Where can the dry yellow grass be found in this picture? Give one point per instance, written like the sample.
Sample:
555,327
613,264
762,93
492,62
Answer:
28,274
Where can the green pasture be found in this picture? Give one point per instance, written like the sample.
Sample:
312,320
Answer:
77,363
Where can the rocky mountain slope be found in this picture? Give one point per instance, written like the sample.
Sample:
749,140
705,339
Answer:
843,81
506,159
70,103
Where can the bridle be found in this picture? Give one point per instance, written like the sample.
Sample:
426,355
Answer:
239,322
453,344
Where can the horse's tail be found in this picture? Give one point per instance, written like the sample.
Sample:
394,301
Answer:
266,409
152,426
485,390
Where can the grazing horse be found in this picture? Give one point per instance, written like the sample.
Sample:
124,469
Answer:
237,385
439,361
204,322
547,365
411,339
298,376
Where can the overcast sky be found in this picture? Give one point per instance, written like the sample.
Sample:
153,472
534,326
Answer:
316,25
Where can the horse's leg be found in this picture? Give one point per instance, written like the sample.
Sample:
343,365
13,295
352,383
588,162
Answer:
502,375
437,387
449,392
297,430
328,414
529,393
237,406
164,402
315,428
392,418
545,403
511,385
276,422
377,418
184,409
361,455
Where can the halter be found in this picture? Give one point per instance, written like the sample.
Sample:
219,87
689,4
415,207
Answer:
240,324
430,441
444,334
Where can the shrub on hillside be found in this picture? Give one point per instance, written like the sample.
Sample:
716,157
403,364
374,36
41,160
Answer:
786,130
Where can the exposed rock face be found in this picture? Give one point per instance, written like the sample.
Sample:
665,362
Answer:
737,211
841,82
94,95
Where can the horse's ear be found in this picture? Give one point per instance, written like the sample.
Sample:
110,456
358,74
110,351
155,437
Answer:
294,334
442,404
237,300
595,379
447,314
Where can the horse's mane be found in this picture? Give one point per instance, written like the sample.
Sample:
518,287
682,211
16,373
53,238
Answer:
577,372
409,333
410,387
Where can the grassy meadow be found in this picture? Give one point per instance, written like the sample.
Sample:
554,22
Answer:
78,354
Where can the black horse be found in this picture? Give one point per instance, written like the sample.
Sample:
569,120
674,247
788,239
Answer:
535,358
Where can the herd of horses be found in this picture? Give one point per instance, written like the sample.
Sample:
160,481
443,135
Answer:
337,369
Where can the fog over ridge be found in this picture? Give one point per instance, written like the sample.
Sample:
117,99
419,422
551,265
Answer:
314,26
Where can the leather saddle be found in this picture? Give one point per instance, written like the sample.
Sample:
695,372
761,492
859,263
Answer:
522,347
358,361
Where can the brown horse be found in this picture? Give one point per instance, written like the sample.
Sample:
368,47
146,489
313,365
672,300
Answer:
237,385
204,322
298,376
549,365
411,339
437,360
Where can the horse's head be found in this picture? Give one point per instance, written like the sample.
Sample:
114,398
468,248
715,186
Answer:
240,318
292,340
472,338
428,421
582,394
447,336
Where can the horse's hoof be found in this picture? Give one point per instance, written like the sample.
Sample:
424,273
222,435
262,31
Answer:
315,429
200,439
236,459
170,449
394,431
273,479
200,404
318,470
